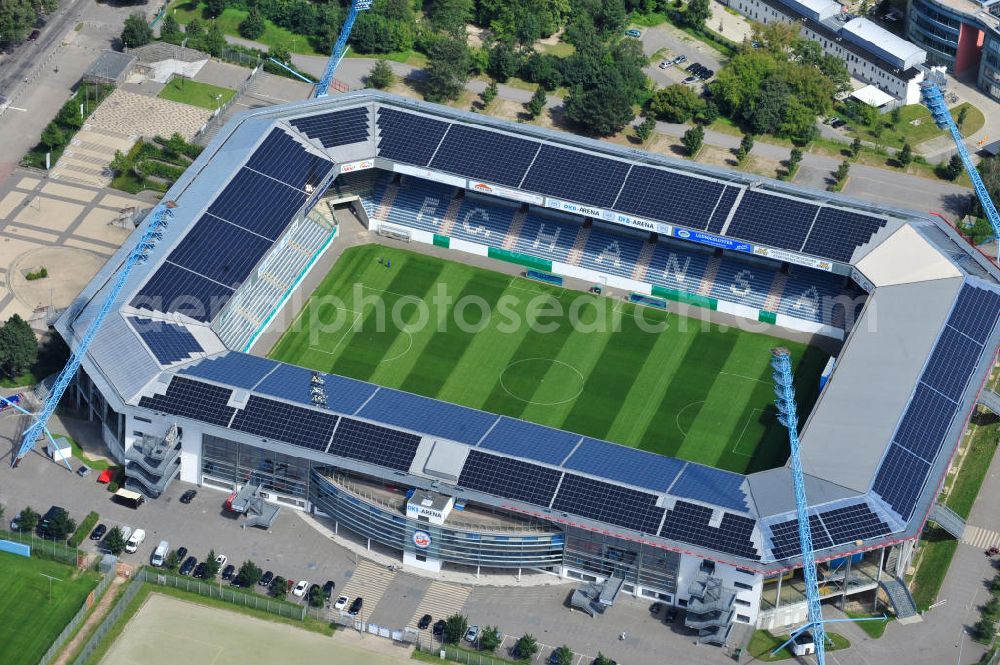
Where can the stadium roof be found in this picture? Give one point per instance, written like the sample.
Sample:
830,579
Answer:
875,446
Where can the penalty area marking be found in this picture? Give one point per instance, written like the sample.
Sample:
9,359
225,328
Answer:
514,284
350,329
746,425
678,417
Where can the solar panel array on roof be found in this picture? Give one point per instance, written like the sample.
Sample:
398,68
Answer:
975,312
785,537
715,486
900,479
337,128
237,369
283,158
925,423
605,502
366,442
407,137
626,465
668,196
576,176
258,203
428,416
852,523
220,251
837,233
523,439
722,210
295,425
691,523
485,155
175,289
169,342
193,399
509,478
294,384
951,364
772,220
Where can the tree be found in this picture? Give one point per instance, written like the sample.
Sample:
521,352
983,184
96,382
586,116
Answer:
489,93
842,171
280,53
27,520
954,168
449,15
984,630
644,131
537,102
215,7
562,656
18,346
692,139
602,108
707,114
69,115
17,18
211,566
526,647
279,587
905,156
136,31
61,525
115,541
855,148
215,41
675,103
490,639
994,584
249,573
963,113
504,61
794,157
455,627
697,12
172,561
316,597
746,145
170,30
602,659
380,76
194,33
252,26
53,136
447,70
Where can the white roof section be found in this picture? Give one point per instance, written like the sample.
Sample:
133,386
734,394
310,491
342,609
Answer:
845,437
817,10
903,258
872,96
879,40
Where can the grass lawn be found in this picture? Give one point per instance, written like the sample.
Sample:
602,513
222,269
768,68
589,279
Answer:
905,131
95,464
966,486
230,20
701,395
936,551
763,643
31,620
874,629
186,91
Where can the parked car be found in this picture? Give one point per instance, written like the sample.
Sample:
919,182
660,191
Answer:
300,588
228,572
181,553
98,532
472,634
671,615
135,541
666,64
34,35
188,565
425,621
83,471
679,59
188,495
328,589
43,524
200,570
633,33
341,603
15,525
266,579
160,554
236,582
838,123
356,606
689,80
655,608
221,560
438,628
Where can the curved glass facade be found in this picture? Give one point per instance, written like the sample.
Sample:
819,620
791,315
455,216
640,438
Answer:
934,28
989,68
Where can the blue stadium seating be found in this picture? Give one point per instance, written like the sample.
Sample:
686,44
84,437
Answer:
611,253
420,205
546,236
673,267
484,221
807,294
742,283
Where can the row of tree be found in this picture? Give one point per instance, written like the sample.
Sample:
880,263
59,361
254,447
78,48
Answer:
525,648
19,17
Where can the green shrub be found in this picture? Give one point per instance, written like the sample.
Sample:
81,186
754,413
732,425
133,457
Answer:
37,274
86,526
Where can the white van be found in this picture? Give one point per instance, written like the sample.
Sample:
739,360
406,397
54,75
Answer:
133,543
160,554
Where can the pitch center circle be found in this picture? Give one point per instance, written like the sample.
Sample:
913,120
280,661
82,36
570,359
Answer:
542,381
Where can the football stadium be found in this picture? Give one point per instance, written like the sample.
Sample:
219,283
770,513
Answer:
489,347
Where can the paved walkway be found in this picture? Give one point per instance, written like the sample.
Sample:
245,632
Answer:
82,635
131,114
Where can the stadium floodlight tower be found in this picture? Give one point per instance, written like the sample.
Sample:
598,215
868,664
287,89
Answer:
934,100
781,361
157,221
338,49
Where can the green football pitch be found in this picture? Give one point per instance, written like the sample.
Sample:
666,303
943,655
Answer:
588,364
31,619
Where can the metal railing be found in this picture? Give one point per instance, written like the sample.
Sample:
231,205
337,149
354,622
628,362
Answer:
92,599
109,621
44,548
220,592
204,135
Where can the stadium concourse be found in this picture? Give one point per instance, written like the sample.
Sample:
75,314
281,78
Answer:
170,371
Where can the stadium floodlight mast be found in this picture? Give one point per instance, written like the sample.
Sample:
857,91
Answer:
784,389
157,220
340,48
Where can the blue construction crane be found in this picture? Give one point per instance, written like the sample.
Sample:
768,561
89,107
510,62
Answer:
934,101
338,49
157,221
